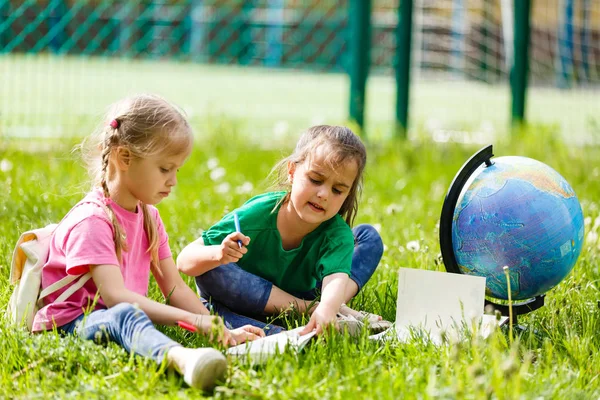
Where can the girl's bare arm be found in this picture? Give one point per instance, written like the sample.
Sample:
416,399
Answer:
174,288
196,258
112,290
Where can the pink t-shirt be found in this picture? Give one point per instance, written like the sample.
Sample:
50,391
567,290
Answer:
84,238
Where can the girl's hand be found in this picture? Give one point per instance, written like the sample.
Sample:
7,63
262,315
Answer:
213,327
246,333
321,318
229,250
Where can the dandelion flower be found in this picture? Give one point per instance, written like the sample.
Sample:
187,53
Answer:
223,188
413,245
217,173
245,187
5,165
212,163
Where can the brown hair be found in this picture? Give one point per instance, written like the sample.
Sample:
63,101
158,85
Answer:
146,125
341,145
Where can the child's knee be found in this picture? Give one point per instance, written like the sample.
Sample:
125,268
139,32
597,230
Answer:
206,282
124,308
124,313
367,234
223,280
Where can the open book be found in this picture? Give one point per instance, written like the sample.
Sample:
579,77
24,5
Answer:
258,351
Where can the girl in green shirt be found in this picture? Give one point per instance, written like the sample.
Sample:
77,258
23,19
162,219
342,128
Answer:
295,243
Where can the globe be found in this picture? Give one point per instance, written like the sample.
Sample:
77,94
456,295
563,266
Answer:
520,213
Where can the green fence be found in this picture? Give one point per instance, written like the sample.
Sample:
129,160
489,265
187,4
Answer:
270,33
62,46
453,35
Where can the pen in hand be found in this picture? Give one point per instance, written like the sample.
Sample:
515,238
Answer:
236,220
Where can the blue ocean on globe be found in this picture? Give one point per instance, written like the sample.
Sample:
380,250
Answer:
518,213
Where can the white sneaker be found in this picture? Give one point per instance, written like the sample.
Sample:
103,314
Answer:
347,323
201,368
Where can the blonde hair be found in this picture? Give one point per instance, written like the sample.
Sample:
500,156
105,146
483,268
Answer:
341,145
146,125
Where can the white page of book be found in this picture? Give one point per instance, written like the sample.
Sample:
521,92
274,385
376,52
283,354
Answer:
261,349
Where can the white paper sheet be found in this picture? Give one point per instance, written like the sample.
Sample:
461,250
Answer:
435,304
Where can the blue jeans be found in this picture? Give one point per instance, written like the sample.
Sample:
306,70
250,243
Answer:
126,325
240,297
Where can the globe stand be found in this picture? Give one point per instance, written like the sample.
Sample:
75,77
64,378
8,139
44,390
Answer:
519,308
483,156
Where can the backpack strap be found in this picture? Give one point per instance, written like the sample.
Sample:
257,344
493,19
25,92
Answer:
81,279
64,282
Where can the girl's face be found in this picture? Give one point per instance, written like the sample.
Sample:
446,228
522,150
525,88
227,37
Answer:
150,179
318,191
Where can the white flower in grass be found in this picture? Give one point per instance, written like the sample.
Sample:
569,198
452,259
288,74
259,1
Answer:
212,163
223,188
217,173
400,184
246,187
393,208
377,227
413,245
591,237
5,165
488,309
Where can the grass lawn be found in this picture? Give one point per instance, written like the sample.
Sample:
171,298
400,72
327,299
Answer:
48,96
556,357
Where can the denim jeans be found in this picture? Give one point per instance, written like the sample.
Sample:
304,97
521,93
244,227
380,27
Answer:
126,325
240,297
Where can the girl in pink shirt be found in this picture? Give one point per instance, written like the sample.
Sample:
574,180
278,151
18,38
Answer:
117,235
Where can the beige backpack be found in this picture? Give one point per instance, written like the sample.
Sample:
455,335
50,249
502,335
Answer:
29,256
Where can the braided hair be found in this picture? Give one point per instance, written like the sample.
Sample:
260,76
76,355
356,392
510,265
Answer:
146,125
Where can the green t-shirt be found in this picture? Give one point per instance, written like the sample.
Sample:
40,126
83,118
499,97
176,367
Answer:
325,251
